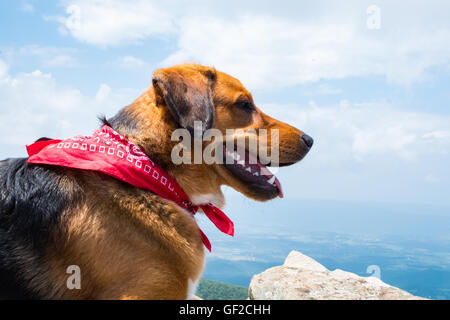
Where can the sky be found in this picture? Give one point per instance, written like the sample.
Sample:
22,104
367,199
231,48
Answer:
368,80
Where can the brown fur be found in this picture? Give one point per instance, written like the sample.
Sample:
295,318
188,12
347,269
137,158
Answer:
130,243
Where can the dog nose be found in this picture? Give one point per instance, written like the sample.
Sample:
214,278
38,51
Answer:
308,140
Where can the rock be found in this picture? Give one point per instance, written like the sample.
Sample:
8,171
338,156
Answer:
303,278
297,260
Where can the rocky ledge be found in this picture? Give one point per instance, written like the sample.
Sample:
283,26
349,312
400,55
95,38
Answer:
303,278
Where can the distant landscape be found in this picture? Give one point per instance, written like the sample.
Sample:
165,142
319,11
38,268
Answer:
215,290
408,256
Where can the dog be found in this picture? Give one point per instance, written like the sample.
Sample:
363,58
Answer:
130,243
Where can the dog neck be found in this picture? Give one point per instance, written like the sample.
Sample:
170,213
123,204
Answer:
147,125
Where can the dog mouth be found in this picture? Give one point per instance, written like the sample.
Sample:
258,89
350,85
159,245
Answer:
247,168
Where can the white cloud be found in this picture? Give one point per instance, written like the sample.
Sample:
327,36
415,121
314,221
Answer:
3,69
51,56
284,46
131,62
266,51
34,105
440,134
103,92
365,131
37,74
113,22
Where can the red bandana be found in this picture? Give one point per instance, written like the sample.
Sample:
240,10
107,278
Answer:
108,152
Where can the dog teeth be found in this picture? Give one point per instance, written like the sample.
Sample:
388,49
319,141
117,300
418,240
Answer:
271,180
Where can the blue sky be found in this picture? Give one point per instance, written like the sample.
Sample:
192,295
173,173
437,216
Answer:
375,100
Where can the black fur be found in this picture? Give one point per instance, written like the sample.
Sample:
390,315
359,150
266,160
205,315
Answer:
123,122
32,199
43,139
104,121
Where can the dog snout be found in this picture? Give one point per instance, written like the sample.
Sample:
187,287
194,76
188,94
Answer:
307,140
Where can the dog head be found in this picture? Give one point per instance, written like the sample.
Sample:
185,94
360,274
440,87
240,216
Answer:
190,97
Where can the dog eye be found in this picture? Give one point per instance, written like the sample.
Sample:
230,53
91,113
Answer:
245,105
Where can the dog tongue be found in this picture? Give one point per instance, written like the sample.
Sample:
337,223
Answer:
270,176
266,172
278,184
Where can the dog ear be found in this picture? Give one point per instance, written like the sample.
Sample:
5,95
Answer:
186,91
